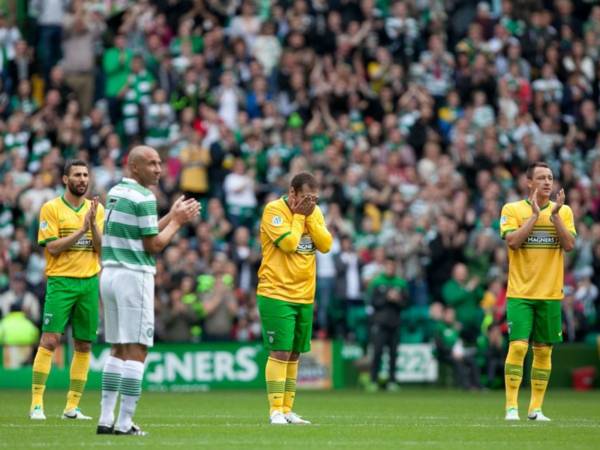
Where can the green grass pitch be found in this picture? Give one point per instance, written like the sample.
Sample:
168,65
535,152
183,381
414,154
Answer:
416,418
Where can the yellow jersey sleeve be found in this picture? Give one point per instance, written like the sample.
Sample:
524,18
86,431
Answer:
284,234
48,228
508,220
315,223
566,214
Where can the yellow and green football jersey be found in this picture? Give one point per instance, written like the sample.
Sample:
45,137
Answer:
536,269
289,245
59,219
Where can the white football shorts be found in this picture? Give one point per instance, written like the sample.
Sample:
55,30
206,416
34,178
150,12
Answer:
128,299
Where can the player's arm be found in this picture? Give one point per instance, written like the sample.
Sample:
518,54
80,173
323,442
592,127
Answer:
565,225
48,232
318,231
284,234
155,240
511,232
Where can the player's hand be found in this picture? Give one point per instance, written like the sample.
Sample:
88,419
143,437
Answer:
535,208
185,210
177,202
313,203
304,206
299,205
86,222
560,200
93,210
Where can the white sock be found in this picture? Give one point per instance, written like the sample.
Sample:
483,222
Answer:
111,383
131,390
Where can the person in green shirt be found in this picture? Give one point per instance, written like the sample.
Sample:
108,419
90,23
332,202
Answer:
387,294
450,349
116,64
464,294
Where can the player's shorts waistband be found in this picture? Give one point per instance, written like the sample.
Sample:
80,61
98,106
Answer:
61,277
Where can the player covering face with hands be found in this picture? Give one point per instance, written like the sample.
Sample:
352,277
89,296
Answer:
537,231
292,230
132,235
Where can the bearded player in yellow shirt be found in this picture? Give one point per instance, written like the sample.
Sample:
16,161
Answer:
537,232
71,231
292,230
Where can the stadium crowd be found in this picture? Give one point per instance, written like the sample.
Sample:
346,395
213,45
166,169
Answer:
418,117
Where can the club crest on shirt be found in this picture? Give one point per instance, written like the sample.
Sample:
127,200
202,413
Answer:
43,225
503,220
277,221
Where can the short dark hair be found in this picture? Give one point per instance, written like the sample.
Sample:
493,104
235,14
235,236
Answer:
532,166
303,178
74,162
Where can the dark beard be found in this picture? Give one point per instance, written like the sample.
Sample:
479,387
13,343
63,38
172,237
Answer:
73,190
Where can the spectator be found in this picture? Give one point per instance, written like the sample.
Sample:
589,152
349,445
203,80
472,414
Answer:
246,257
18,335
160,121
194,159
116,64
9,36
20,66
387,295
49,15
267,48
82,30
178,318
349,289
451,350
463,294
240,198
219,301
19,296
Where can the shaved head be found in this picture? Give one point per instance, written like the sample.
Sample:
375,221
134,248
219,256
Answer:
144,165
140,153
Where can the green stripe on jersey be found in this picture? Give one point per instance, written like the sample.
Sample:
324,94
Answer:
122,230
127,256
128,206
131,215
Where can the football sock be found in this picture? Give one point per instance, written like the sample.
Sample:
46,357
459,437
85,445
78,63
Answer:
111,383
275,374
131,390
540,375
290,386
79,371
41,368
513,371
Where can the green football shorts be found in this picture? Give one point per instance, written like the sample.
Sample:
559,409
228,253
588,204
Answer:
286,326
74,300
539,320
